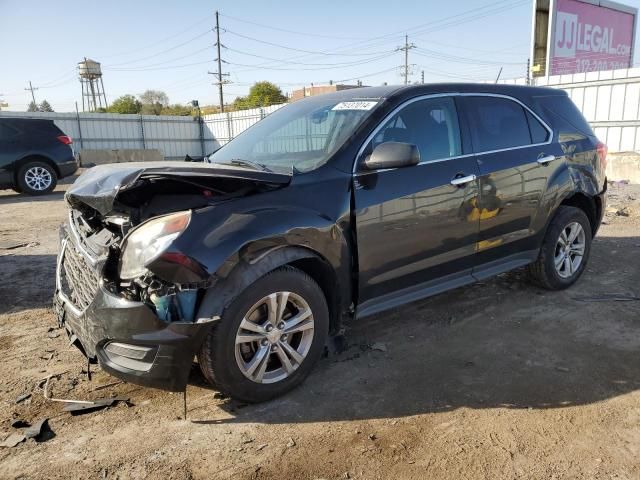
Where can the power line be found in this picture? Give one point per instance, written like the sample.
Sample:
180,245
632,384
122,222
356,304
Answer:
316,52
200,35
307,34
329,67
146,67
155,44
292,62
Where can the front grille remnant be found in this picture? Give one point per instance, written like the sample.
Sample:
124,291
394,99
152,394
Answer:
79,280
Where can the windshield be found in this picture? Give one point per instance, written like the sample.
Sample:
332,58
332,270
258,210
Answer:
301,136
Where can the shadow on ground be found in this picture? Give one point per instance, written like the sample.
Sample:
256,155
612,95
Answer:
15,197
503,343
500,343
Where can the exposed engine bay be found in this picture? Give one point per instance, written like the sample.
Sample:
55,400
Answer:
109,203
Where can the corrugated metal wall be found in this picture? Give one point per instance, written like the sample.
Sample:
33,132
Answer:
610,100
174,136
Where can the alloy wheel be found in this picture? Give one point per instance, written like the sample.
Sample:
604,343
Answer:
570,249
274,337
38,178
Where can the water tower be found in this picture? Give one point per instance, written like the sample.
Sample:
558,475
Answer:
93,96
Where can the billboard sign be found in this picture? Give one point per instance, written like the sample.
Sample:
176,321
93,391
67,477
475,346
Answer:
583,36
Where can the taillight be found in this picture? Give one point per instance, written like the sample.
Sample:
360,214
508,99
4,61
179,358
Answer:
602,150
65,139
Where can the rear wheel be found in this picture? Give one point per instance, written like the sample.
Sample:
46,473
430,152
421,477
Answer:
269,337
36,178
565,250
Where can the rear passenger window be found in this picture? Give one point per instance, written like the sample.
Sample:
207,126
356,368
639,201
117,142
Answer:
430,124
497,123
539,134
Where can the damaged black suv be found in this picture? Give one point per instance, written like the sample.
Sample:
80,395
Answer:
333,207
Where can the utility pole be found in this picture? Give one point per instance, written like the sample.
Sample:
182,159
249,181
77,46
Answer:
219,73
407,46
32,89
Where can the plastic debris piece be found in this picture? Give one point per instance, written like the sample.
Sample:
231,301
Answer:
23,397
80,408
13,440
39,431
19,423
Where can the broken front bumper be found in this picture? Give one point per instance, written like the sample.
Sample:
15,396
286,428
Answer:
126,337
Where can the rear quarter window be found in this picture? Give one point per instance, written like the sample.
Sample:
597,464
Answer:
565,115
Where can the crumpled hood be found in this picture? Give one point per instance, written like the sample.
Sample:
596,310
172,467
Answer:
99,186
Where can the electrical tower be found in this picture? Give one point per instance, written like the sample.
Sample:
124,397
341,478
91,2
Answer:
405,69
221,80
93,96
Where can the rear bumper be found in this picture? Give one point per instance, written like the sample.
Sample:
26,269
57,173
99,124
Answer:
68,168
602,201
127,338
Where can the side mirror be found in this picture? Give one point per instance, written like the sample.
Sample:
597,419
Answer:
393,155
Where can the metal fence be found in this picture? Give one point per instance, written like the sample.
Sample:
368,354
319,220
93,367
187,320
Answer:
174,136
610,100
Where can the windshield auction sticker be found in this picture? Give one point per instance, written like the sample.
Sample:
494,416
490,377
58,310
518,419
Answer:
355,106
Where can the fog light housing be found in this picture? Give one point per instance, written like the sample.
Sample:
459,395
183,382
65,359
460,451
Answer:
133,357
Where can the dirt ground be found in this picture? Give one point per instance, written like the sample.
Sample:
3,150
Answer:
497,380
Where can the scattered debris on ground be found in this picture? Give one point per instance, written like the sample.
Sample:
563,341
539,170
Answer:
482,382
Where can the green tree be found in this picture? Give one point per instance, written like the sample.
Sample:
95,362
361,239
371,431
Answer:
45,107
153,101
176,109
33,107
261,94
125,104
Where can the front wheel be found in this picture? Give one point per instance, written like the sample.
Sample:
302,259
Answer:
565,250
269,337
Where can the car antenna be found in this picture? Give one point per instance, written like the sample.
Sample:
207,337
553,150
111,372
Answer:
499,73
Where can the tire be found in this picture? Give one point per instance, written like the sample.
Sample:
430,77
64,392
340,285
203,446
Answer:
543,271
36,178
228,365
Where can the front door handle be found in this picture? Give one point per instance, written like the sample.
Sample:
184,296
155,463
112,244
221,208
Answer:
459,181
546,160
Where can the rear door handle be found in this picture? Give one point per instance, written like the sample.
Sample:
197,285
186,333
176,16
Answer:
545,160
458,181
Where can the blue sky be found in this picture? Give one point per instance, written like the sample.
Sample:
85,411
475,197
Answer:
168,45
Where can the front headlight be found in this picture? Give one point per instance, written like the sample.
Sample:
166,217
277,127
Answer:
150,240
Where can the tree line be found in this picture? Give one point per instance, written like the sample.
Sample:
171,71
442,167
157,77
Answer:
156,102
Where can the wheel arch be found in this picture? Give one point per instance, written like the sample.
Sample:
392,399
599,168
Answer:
250,268
18,164
589,205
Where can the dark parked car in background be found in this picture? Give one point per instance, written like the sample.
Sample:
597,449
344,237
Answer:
34,154
335,207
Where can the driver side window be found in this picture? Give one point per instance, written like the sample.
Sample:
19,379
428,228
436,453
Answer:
430,124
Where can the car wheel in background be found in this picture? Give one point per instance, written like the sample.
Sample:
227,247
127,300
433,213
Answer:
269,337
565,250
36,178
